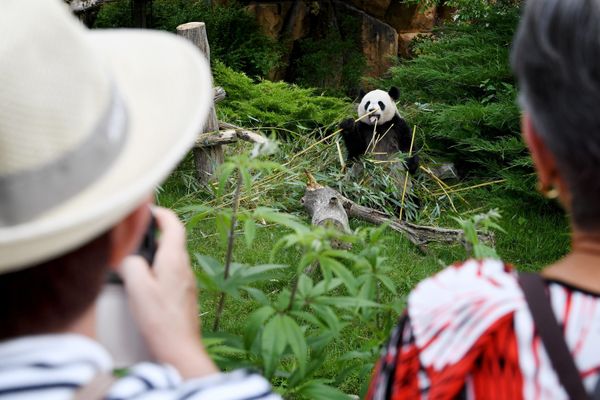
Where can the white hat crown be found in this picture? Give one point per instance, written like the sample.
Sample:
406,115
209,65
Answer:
61,119
90,123
52,95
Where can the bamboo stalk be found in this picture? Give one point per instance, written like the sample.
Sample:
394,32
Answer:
441,184
412,142
480,185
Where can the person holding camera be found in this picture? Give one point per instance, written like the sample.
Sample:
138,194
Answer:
90,123
479,329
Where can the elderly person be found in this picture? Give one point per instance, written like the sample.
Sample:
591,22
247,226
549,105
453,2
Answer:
474,331
90,123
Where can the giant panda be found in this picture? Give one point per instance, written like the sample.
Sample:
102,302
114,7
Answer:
380,129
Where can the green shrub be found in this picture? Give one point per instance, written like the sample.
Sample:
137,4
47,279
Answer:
278,105
234,35
460,92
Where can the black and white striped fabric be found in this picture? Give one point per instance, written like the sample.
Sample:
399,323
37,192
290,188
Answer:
53,367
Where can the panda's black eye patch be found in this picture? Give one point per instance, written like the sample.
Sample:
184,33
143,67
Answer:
381,105
367,105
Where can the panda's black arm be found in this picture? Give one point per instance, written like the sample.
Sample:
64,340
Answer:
353,140
404,142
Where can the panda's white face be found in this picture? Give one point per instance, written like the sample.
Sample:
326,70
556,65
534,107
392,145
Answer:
379,106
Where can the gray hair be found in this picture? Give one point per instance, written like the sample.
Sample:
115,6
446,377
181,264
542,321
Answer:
556,57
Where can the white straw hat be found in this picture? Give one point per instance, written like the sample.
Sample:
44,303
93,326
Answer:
90,123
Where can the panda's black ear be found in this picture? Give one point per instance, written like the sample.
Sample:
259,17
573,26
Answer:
361,94
394,93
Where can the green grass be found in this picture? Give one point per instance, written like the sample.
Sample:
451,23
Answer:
536,233
470,117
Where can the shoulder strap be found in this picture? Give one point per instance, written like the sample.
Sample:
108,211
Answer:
551,334
97,388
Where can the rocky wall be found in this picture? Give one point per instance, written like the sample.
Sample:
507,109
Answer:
386,26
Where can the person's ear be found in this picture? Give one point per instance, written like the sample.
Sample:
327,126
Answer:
544,161
126,236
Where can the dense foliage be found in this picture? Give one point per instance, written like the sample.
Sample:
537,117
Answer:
278,106
461,94
335,61
276,295
234,35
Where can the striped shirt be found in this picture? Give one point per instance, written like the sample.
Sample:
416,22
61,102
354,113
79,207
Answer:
53,367
468,334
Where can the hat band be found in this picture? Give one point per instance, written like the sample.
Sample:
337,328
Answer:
26,194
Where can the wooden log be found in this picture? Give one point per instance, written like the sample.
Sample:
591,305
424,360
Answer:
419,235
244,134
219,94
80,6
229,136
206,158
325,208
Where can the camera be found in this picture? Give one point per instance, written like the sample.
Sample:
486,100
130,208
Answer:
115,327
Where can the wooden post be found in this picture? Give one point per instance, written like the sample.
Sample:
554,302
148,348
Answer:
207,158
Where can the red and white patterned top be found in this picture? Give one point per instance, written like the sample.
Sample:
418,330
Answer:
468,334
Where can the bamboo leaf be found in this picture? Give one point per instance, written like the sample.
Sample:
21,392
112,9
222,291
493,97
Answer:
296,340
318,390
254,323
273,344
339,270
249,231
387,282
225,172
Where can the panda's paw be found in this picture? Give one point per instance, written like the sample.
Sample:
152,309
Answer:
347,124
413,164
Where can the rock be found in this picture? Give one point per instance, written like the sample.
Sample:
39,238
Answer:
376,8
268,17
410,17
271,18
379,40
424,19
445,171
404,40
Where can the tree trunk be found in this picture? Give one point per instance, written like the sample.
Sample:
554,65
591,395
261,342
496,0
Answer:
206,158
141,13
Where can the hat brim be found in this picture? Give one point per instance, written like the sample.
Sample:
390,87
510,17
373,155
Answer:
167,88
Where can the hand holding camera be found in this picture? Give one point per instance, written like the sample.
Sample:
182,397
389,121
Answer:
163,300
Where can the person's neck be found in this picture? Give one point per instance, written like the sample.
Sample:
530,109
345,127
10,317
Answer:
581,267
85,325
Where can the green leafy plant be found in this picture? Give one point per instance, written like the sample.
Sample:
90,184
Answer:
472,10
483,223
461,93
290,329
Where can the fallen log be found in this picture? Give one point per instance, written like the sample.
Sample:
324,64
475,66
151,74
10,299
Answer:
219,94
325,207
320,209
228,136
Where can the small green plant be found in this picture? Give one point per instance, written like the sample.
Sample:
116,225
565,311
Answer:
291,329
476,225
